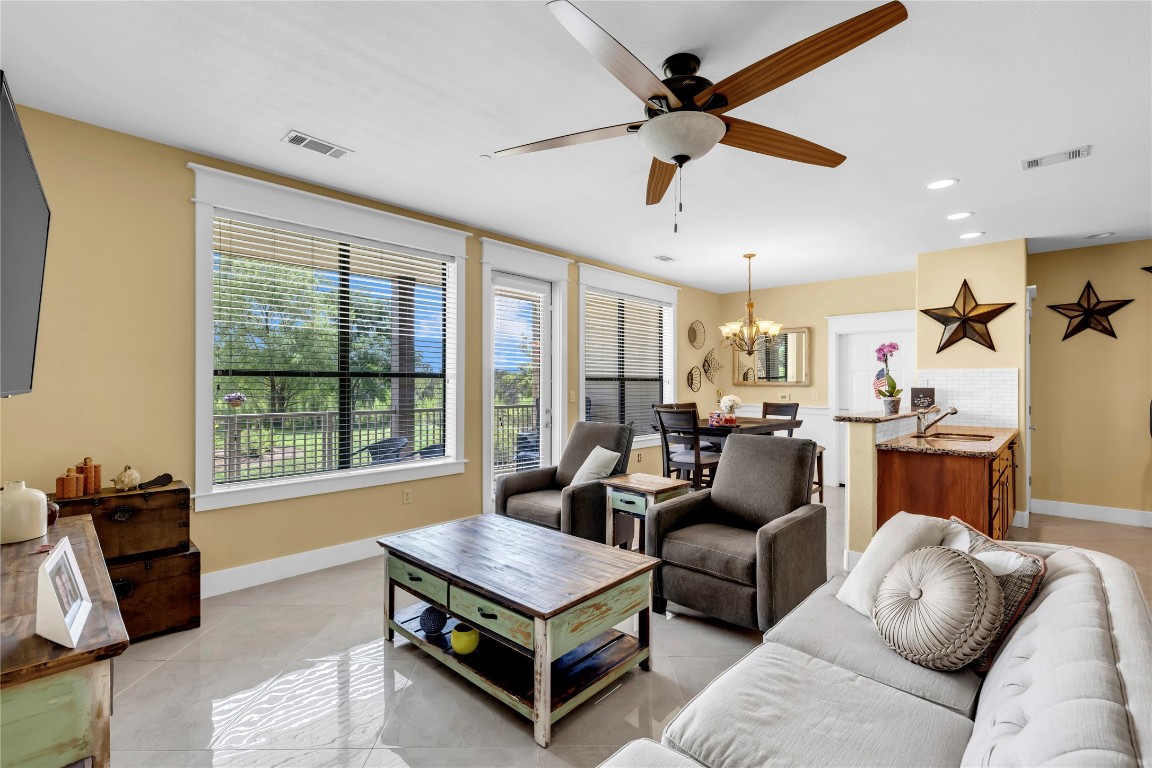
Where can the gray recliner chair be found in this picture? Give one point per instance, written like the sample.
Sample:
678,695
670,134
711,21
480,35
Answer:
546,496
750,548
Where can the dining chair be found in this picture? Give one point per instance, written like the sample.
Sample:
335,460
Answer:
704,444
789,411
681,451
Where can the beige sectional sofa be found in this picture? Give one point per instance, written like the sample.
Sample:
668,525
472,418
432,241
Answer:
1071,686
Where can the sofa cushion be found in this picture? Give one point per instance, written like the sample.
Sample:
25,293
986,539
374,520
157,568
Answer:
900,535
1018,573
645,753
715,549
1070,684
780,707
824,627
539,507
939,607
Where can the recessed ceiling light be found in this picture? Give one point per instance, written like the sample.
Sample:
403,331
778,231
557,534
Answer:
970,235
957,216
941,183
1099,235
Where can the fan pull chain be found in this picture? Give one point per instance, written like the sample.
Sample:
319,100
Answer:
679,199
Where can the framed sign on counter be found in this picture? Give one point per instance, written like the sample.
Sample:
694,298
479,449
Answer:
62,600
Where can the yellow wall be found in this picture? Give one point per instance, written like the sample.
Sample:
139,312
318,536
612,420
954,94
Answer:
1090,393
996,273
808,306
115,368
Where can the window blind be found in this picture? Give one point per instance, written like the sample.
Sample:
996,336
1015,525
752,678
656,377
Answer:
328,355
516,375
623,359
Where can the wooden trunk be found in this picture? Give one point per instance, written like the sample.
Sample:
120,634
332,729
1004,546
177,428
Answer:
158,594
136,522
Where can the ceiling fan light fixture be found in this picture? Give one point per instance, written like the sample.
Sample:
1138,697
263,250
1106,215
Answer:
676,137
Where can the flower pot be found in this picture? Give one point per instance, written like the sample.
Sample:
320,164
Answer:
891,405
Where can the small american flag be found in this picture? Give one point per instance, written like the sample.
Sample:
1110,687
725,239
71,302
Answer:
880,382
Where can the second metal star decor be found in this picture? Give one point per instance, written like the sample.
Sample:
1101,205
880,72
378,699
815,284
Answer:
966,319
1089,312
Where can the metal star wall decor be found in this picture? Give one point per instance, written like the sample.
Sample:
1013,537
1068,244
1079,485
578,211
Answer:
1146,269
966,319
1089,312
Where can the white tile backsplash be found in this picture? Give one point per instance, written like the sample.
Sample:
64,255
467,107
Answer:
983,397
887,430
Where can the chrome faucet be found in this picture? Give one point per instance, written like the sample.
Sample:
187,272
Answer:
922,414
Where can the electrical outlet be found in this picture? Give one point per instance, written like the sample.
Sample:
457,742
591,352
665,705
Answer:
406,496
784,396
571,395
815,395
640,457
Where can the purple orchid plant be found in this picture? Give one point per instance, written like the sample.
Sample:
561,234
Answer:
885,385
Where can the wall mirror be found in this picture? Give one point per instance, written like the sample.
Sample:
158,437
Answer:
785,363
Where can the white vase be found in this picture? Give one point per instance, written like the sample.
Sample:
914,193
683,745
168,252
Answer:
23,513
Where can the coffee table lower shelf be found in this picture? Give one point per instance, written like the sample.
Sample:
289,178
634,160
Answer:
507,674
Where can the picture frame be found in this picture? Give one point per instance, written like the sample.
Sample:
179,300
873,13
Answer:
62,599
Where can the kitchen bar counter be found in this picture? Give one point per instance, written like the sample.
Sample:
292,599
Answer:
984,449
872,417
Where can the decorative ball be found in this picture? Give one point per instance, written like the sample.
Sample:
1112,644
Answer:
939,608
464,639
432,621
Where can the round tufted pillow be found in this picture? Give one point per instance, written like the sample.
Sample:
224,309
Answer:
939,608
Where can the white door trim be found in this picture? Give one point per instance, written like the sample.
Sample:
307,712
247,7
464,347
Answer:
1021,518
843,325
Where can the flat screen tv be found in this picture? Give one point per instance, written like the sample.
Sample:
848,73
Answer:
24,219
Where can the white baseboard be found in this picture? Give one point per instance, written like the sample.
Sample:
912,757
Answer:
1139,517
1019,518
254,574
851,558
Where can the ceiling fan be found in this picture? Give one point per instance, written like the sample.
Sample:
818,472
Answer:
685,112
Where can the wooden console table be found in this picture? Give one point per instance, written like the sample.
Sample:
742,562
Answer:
56,701
544,602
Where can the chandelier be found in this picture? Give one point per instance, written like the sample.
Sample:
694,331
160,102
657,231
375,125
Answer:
751,333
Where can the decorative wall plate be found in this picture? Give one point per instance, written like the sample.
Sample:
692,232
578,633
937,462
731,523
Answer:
1089,312
966,319
694,378
696,334
712,366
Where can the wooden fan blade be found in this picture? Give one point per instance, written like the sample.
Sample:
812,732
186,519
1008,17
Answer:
659,178
613,56
803,57
583,137
769,141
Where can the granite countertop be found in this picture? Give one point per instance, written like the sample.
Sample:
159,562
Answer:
985,449
872,417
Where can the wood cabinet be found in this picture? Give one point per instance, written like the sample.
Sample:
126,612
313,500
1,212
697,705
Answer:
56,700
978,489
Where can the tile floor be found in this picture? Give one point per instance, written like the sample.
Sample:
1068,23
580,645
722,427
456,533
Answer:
296,673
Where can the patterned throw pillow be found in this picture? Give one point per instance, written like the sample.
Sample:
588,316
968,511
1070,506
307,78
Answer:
1019,574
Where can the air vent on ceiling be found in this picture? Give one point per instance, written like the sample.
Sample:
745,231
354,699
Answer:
1058,157
316,145
663,257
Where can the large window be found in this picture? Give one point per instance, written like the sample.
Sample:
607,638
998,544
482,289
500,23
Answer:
327,355
325,360
627,351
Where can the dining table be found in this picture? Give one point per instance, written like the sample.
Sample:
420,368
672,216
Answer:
745,425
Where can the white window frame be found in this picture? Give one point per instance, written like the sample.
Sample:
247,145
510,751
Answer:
600,280
498,256
220,192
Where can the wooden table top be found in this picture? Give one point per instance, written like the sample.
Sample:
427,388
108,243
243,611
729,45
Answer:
26,656
751,426
641,483
538,571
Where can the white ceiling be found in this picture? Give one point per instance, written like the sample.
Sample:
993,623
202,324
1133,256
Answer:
420,90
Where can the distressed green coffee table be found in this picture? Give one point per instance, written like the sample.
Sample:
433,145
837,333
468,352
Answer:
545,603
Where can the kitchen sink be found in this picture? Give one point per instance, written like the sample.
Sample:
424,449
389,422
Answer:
959,436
